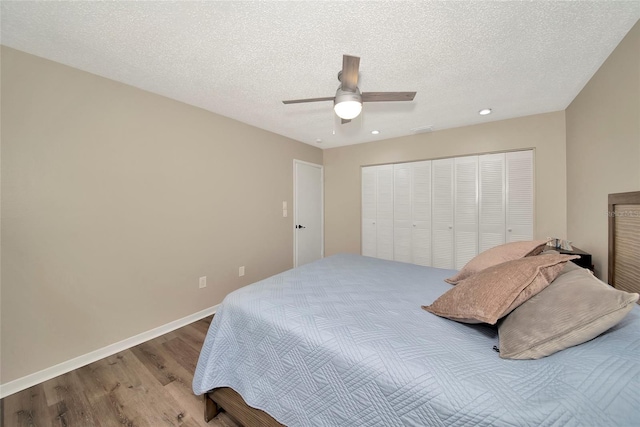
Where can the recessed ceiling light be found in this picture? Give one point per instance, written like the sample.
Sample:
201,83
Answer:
375,132
318,141
484,111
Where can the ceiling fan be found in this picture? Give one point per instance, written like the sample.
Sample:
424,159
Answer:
348,100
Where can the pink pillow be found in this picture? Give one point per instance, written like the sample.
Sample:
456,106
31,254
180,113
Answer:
498,255
496,291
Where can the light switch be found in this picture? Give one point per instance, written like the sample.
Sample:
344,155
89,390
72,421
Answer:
284,213
284,206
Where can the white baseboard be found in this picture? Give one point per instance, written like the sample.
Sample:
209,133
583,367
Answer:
80,361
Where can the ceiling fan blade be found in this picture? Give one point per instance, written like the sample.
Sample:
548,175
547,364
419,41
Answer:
349,74
343,121
298,101
387,96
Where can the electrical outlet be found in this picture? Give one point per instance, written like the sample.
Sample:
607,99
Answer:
202,282
241,271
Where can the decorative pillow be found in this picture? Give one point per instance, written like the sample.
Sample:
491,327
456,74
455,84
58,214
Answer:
570,266
495,291
575,308
549,251
498,255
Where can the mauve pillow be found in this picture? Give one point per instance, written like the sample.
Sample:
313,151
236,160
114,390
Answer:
498,255
495,291
575,308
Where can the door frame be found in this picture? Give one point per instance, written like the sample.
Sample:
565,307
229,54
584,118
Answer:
297,162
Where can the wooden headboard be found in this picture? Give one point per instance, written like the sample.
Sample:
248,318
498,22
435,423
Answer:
624,241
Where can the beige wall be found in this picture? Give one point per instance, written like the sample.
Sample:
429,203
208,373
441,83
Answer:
115,201
603,146
544,132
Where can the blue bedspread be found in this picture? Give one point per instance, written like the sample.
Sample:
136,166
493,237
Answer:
344,342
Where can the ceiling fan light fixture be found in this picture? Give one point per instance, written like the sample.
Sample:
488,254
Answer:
347,105
348,109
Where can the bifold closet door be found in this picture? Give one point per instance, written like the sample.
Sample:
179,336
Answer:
369,215
384,210
377,211
412,212
402,212
442,213
519,203
492,198
421,213
466,209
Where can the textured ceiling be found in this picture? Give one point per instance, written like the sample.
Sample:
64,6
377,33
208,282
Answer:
240,59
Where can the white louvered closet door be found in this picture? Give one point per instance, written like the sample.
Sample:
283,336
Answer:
369,203
442,213
421,212
402,212
384,210
466,209
492,195
519,178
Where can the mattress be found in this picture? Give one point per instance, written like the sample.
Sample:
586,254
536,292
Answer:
343,342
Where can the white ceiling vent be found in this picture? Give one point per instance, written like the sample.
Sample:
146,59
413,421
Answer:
423,129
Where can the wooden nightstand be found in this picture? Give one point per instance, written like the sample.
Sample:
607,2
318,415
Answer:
585,258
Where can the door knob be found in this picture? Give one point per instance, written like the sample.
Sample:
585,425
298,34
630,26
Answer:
300,226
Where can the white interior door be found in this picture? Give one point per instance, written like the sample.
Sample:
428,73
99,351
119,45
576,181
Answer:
308,212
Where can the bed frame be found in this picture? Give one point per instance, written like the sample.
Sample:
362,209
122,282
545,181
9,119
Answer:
624,270
235,406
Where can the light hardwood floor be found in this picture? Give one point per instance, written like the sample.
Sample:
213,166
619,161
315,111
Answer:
147,385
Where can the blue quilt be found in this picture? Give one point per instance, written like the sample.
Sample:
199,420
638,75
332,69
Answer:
344,342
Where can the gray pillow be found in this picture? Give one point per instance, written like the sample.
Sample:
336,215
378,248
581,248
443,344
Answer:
576,307
569,267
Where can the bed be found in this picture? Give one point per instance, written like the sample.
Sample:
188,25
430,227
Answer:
343,341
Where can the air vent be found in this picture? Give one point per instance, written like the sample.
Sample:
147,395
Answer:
423,129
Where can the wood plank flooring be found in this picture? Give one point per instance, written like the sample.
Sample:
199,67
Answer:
145,386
